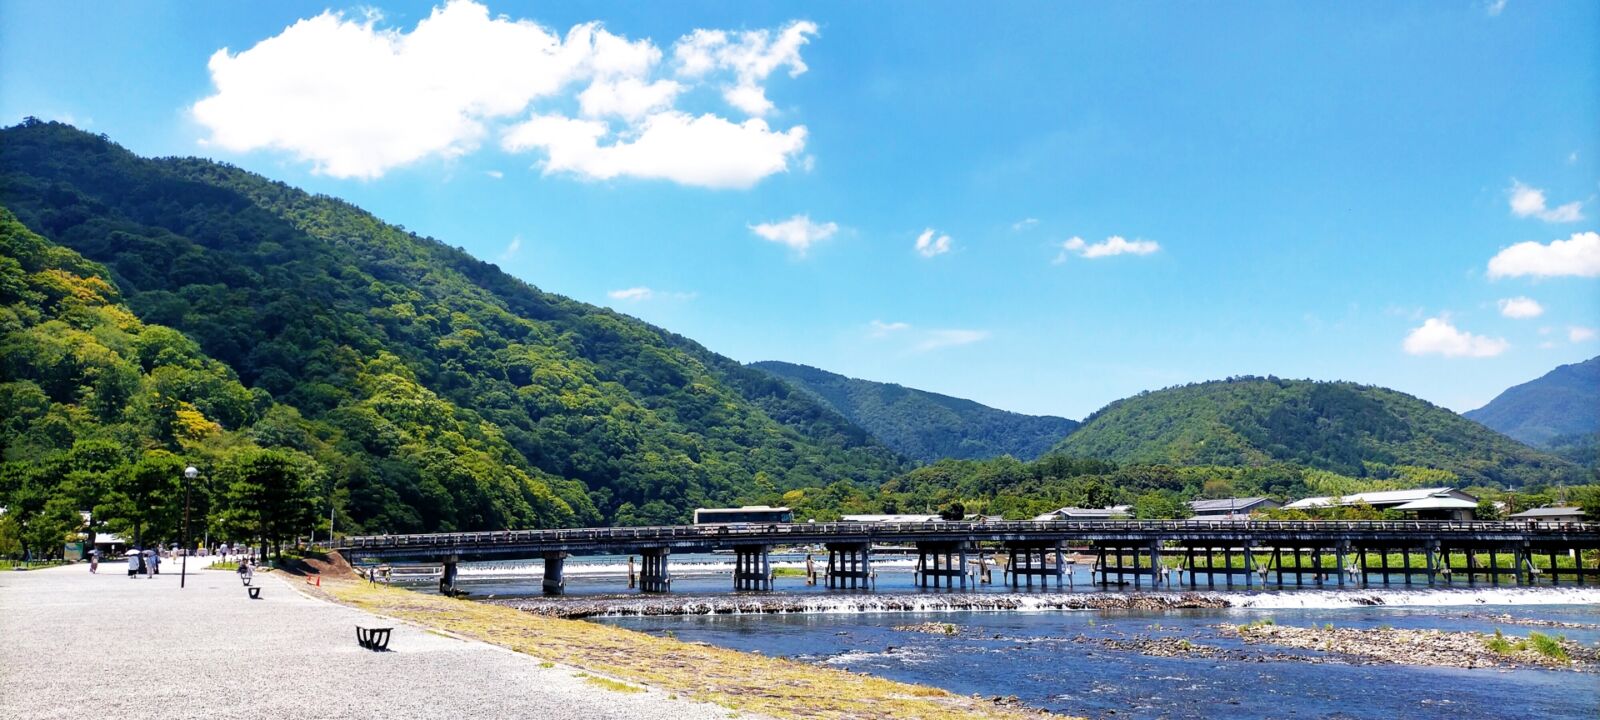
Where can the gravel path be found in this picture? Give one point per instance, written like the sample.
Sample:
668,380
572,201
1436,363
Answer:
75,645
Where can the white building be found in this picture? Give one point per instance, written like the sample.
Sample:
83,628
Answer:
1426,503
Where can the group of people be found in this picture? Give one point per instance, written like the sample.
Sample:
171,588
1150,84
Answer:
145,562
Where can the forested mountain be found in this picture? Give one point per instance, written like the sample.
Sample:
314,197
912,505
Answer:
436,391
1556,409
1354,430
927,426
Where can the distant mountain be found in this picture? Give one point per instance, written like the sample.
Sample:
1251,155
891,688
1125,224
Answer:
1564,402
436,391
923,425
1350,429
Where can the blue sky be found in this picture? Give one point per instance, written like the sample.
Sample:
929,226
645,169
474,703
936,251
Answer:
1108,198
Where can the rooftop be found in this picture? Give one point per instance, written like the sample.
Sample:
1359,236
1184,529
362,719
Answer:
1225,504
1383,497
1564,511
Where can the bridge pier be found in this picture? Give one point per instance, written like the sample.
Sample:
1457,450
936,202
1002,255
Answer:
653,574
952,568
1133,554
1034,559
752,567
849,565
555,582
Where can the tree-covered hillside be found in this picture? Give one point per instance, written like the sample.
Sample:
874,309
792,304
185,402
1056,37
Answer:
1555,409
927,426
1350,429
434,382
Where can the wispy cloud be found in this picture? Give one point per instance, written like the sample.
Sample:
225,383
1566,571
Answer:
642,293
1578,256
1024,224
930,243
1494,7
496,174
511,249
1529,201
1578,334
1437,336
798,232
1520,307
880,329
1111,246
935,339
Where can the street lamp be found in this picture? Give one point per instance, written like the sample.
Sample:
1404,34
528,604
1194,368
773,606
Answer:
189,474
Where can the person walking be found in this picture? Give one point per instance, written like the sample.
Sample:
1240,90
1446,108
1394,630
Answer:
94,562
135,563
155,562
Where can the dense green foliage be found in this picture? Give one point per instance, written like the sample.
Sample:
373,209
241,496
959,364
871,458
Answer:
437,392
1353,430
927,426
95,405
1561,408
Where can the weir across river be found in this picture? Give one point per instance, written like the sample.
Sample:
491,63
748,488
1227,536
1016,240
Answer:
1206,551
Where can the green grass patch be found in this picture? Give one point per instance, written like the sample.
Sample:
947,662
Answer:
612,685
1548,646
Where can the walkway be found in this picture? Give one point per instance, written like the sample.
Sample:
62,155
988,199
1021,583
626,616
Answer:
75,645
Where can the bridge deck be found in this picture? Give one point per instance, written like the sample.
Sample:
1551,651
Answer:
1216,533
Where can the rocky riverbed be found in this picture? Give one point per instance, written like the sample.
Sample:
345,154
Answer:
635,605
1435,648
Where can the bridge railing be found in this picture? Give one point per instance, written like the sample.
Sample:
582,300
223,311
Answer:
812,531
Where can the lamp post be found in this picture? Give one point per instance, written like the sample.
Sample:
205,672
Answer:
189,474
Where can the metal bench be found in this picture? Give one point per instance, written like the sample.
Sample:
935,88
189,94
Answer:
255,593
374,639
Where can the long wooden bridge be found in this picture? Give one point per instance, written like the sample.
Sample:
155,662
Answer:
1125,548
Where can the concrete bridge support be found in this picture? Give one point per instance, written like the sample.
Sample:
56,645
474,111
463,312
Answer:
555,582
849,565
1028,560
653,573
941,562
752,567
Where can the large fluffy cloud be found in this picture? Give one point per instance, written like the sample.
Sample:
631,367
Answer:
708,151
1436,336
356,99
1578,255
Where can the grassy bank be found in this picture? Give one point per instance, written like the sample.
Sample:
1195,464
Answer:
741,681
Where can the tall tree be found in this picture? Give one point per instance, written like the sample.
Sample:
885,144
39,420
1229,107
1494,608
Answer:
268,495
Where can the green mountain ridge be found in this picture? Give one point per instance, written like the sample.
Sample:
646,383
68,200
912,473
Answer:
427,381
1553,409
1342,427
926,426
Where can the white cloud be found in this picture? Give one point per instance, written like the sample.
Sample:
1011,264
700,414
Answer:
707,151
1024,224
1494,7
633,294
1578,255
1114,245
511,249
356,99
928,245
1578,334
879,328
935,339
750,56
798,232
496,174
1572,158
1521,307
1528,201
1436,336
